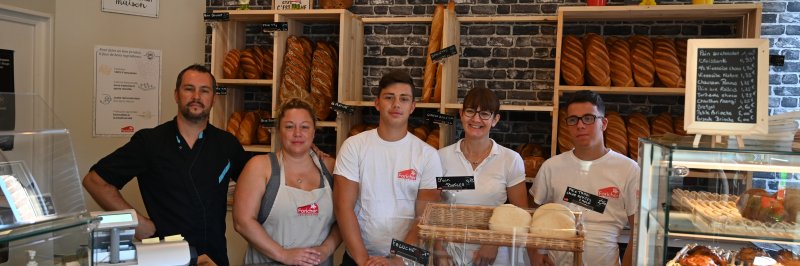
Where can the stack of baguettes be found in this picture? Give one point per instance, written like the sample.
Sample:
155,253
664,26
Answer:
296,74
251,63
638,127
323,77
310,74
616,134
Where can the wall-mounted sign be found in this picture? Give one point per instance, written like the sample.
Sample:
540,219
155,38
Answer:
727,86
145,8
291,4
6,70
127,90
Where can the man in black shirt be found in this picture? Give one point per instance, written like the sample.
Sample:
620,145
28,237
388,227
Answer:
183,167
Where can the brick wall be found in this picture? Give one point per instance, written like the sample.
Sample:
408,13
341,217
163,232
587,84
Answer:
516,60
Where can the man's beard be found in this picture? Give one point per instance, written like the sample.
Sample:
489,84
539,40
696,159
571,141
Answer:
195,118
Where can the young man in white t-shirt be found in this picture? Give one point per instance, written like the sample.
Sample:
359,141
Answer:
592,168
383,179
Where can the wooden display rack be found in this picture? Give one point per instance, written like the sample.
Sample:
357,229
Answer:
231,34
748,25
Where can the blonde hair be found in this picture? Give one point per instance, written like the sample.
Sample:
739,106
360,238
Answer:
296,103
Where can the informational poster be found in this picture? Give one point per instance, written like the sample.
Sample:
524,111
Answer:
145,8
127,90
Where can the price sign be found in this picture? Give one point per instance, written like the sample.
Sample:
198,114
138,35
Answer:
274,26
585,199
222,16
410,252
444,53
455,182
340,107
727,86
440,118
268,122
221,90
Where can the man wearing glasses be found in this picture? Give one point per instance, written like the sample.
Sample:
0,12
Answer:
594,170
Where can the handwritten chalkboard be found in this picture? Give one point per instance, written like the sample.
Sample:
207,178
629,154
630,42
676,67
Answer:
726,85
455,182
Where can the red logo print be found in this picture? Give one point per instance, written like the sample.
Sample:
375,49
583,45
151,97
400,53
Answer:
308,210
409,174
609,192
126,129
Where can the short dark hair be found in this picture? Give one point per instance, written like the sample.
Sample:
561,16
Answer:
197,68
587,96
396,76
482,98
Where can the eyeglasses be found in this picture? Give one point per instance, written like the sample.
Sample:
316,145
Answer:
586,119
485,115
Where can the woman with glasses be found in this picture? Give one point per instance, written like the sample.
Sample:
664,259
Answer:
499,177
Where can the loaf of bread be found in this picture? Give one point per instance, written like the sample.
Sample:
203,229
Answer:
616,134
433,139
619,52
421,132
323,79
230,67
665,59
677,125
434,44
296,73
532,165
531,149
637,128
564,139
572,61
250,64
354,130
247,129
680,49
597,65
263,133
662,124
642,61
259,54
233,123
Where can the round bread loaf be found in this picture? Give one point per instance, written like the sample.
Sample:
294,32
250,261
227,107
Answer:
564,140
665,59
619,52
597,66
616,134
230,67
572,61
662,124
637,128
642,61
553,220
508,218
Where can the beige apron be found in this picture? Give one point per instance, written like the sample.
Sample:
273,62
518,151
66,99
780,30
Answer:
298,218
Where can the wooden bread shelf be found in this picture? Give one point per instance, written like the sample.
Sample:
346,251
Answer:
509,107
244,82
257,148
624,90
427,19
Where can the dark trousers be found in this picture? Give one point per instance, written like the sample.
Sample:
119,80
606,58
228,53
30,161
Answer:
347,260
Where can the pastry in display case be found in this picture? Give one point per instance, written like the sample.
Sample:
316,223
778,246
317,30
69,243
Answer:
707,202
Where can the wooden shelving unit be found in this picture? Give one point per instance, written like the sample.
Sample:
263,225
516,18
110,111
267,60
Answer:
748,25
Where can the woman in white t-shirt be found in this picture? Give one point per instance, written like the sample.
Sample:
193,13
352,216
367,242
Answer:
499,177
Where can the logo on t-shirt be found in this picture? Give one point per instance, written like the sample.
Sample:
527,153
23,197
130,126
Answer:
408,174
308,210
609,192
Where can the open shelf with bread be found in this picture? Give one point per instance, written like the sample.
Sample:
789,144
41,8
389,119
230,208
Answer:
323,64
636,65
726,211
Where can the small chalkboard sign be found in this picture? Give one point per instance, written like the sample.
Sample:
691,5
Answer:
585,199
274,26
268,122
444,53
222,16
455,182
727,86
409,252
440,118
340,107
219,90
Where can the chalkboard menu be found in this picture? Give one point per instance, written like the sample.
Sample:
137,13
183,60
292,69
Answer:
726,87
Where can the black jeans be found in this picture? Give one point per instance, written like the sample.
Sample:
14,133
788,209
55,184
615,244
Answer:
347,260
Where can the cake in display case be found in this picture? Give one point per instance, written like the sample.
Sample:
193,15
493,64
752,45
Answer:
711,203
43,216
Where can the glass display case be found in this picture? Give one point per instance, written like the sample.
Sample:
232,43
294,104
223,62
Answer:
43,216
717,195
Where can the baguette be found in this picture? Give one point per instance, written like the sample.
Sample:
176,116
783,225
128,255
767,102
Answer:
296,73
434,44
323,78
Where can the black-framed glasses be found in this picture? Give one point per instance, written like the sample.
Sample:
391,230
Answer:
586,119
485,115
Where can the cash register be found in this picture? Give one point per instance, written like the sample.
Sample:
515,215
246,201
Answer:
113,243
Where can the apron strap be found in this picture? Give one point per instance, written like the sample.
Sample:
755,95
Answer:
271,192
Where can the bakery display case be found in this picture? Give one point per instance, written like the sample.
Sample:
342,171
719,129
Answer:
719,215
43,216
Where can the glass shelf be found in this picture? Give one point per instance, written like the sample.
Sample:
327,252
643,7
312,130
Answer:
45,227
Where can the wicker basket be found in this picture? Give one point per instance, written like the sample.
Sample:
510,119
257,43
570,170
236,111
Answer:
470,224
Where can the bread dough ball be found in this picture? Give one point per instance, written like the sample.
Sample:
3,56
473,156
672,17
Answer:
508,218
553,220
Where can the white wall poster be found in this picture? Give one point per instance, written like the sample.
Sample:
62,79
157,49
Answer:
145,8
127,90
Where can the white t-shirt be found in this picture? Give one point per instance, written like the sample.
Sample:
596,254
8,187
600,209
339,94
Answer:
612,176
503,168
389,175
